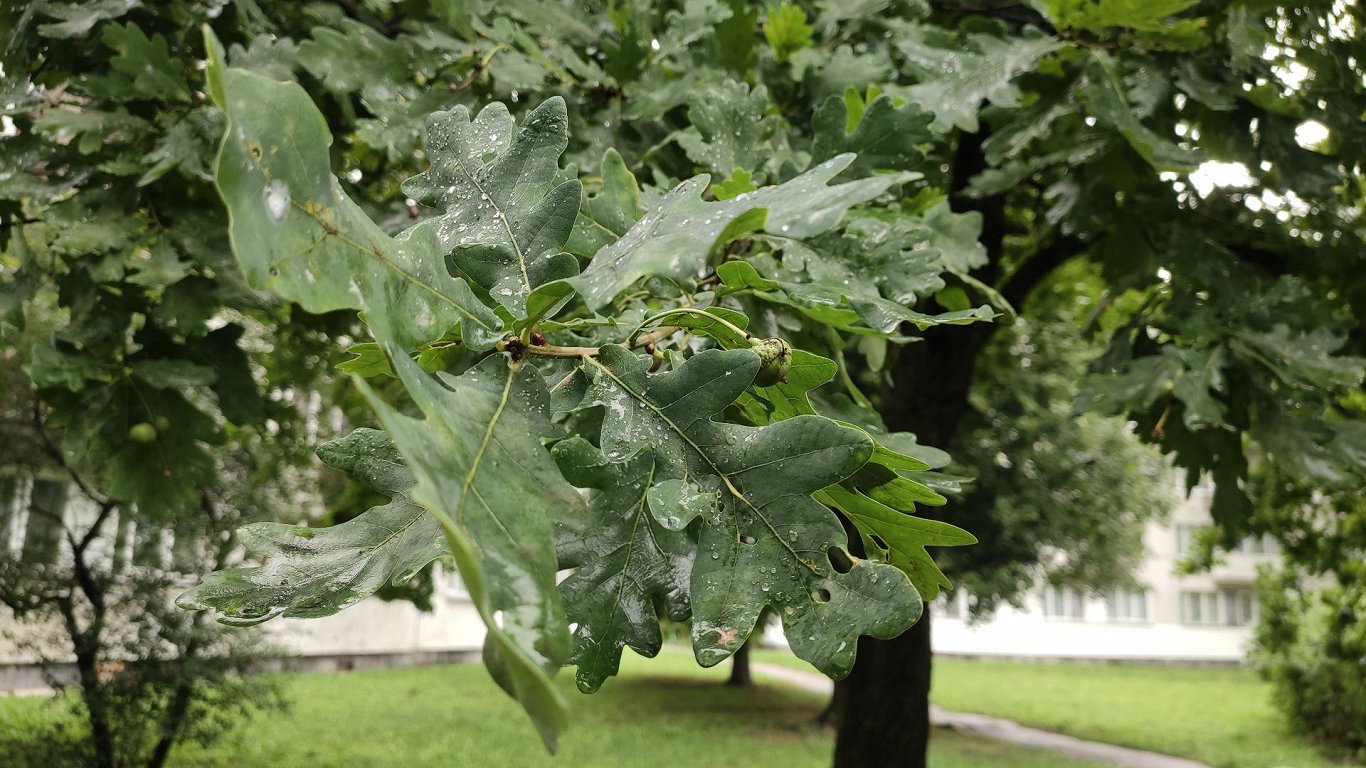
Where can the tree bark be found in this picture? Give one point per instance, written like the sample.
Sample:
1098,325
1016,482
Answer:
740,675
882,709
883,706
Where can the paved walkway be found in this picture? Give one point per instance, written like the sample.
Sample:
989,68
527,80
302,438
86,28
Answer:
1002,730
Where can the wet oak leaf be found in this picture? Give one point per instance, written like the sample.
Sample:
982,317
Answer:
771,544
629,569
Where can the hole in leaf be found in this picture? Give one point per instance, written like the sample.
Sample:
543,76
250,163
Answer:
839,560
748,540
879,542
821,595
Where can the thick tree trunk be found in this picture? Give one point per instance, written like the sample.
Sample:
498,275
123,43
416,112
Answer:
882,709
740,675
884,715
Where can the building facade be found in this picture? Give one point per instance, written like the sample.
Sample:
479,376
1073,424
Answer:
1204,618
36,512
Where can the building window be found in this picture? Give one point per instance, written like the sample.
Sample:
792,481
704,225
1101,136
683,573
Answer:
1127,605
1200,608
1240,607
1258,545
1063,603
1185,537
43,532
9,504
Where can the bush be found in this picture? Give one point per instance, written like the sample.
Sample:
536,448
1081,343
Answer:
1311,645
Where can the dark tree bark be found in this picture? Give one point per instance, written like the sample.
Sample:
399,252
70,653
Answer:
882,708
884,704
740,675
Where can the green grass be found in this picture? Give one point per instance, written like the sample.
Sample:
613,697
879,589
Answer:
662,712
1220,716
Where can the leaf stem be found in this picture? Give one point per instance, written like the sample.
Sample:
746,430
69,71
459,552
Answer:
518,348
741,332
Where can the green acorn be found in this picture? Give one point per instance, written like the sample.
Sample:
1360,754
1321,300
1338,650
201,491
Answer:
142,432
775,356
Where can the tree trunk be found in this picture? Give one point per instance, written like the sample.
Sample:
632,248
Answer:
85,647
740,676
882,709
883,705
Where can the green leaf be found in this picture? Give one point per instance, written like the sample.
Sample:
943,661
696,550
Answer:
625,562
831,295
717,322
735,36
955,236
77,19
311,572
1149,19
367,360
740,182
297,234
729,127
146,62
1306,359
482,471
900,538
885,137
786,30
771,543
674,239
505,219
355,55
51,367
956,77
173,374
607,213
1105,98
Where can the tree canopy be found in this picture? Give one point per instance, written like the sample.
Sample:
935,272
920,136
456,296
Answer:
745,257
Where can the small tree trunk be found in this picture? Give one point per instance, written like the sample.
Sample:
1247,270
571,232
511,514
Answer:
740,675
85,647
883,706
179,707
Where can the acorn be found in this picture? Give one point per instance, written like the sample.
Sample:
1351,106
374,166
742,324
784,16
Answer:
142,432
775,357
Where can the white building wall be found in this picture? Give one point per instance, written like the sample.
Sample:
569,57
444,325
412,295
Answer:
371,628
1166,633
374,626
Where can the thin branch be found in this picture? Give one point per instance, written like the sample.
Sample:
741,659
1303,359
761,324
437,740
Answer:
1016,287
518,348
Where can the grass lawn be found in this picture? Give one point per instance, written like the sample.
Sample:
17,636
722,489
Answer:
662,712
1219,716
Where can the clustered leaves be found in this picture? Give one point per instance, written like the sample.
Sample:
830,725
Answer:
711,477
839,178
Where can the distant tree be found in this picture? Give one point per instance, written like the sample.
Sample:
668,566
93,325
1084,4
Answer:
1053,492
150,401
1311,638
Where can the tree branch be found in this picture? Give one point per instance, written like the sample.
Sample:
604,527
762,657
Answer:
1016,286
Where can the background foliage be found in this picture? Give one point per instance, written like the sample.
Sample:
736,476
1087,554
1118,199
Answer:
1044,133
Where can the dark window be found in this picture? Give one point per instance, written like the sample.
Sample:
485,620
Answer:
8,504
43,533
